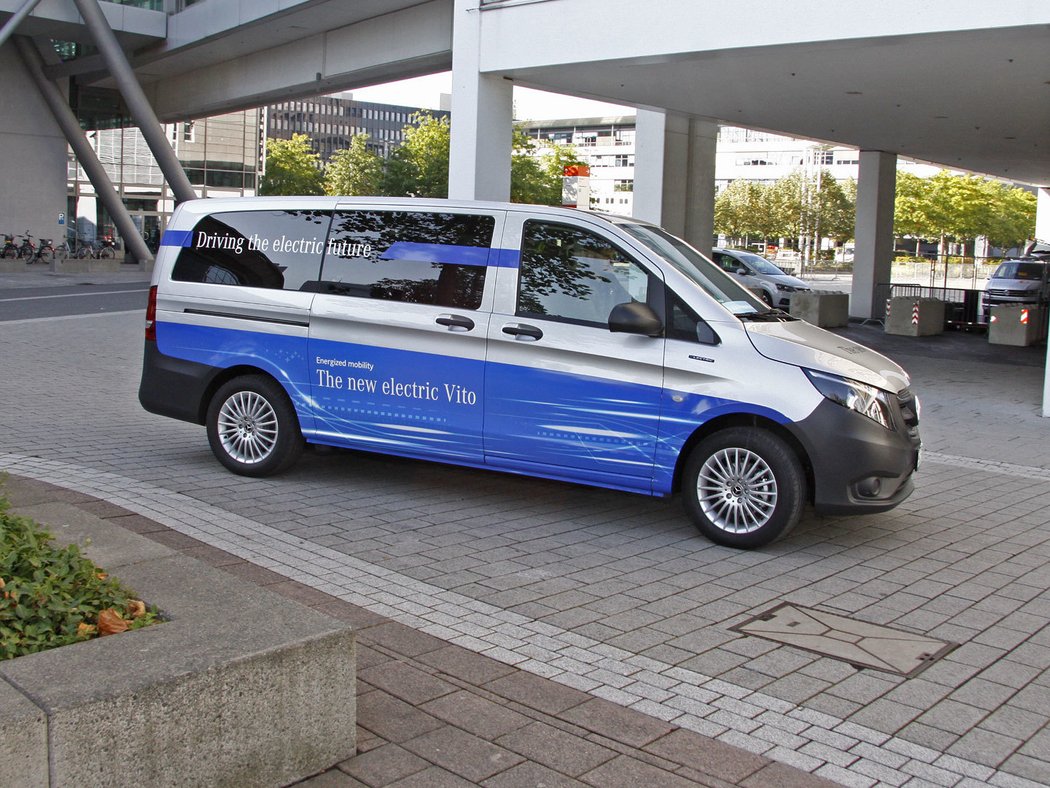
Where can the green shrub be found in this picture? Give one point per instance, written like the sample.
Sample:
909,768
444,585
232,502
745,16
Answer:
52,596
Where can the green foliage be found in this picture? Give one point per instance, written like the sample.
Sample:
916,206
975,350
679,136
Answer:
292,168
538,179
355,171
419,167
962,207
47,593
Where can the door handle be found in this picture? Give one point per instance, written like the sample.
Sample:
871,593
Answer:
523,331
455,322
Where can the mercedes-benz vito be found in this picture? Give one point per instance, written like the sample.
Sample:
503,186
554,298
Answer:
565,344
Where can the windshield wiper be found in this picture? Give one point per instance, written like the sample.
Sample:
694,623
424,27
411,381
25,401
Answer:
769,316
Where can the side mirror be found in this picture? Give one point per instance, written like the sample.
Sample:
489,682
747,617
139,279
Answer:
634,317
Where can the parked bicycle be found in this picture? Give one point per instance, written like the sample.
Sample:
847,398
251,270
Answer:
79,248
10,251
107,247
31,252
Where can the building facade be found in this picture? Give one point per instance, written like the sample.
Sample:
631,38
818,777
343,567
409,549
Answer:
332,121
607,145
221,156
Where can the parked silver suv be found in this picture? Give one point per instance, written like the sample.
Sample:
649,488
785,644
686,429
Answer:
758,274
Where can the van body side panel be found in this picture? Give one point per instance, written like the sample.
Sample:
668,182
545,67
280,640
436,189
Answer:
598,429
172,386
213,348
377,396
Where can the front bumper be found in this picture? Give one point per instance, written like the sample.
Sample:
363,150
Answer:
858,465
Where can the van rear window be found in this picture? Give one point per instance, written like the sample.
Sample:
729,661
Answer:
277,250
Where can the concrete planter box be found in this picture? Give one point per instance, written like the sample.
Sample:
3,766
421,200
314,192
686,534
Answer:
1016,324
88,265
12,266
914,317
824,309
240,687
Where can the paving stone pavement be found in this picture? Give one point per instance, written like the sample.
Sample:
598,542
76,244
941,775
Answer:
614,595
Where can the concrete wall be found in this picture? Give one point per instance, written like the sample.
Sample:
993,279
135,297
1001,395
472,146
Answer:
516,36
33,152
384,48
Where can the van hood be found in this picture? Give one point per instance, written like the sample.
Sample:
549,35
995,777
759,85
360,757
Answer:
804,345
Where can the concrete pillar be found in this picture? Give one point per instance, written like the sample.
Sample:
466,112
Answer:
33,152
873,259
1042,214
482,116
140,108
67,121
1042,232
674,175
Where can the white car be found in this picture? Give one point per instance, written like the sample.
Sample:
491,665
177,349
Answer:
759,275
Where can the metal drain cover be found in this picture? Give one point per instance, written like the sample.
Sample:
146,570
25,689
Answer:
857,642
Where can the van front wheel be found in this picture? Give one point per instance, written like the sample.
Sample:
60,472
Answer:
743,487
252,427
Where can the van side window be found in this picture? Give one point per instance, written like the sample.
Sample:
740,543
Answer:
277,250
418,257
568,273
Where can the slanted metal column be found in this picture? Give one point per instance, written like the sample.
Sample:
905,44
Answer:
11,25
140,108
67,121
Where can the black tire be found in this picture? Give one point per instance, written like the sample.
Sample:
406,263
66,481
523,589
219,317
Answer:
107,253
252,427
83,252
47,254
767,298
743,487
10,253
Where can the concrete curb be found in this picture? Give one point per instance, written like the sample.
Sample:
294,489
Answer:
240,686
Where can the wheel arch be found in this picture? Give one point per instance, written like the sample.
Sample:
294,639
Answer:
744,420
223,377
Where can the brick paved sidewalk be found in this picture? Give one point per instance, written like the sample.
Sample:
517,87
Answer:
435,714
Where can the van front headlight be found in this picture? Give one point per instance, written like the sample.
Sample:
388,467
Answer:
860,397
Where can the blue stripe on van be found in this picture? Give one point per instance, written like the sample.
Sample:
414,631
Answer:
507,258
438,253
177,238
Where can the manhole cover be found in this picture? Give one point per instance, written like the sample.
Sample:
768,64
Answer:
857,642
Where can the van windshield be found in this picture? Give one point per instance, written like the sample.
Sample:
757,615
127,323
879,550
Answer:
760,264
708,276
1016,269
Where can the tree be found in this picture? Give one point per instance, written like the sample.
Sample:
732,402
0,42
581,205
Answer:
291,167
739,210
836,209
962,207
419,167
538,179
354,171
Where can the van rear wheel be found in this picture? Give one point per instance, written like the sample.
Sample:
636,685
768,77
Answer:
743,487
252,427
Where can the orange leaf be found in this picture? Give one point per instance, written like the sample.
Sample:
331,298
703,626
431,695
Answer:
110,622
85,630
101,575
136,608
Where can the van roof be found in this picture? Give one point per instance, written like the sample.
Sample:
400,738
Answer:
207,205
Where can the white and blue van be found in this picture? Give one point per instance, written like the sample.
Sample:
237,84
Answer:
557,343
